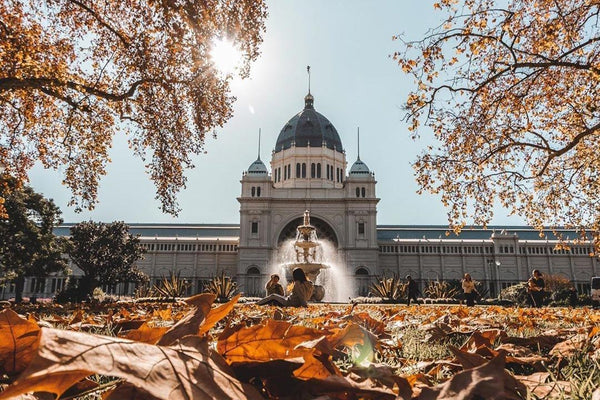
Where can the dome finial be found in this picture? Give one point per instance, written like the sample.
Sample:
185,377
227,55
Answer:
308,99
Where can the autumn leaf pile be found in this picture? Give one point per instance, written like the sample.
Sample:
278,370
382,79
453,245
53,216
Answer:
204,351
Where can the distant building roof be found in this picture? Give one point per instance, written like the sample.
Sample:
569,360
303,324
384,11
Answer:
391,232
173,230
384,232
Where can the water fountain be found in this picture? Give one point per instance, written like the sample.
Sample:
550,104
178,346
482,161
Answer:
308,256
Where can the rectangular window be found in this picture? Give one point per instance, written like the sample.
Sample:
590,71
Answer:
254,227
361,228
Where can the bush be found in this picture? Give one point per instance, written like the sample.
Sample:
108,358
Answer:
172,286
517,294
442,289
223,287
391,290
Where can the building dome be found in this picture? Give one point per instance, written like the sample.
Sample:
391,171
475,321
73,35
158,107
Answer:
258,168
308,128
359,168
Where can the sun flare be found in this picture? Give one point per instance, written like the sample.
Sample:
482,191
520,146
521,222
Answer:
225,56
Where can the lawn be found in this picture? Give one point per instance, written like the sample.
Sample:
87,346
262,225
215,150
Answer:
197,349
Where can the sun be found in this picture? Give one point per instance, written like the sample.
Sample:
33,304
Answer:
225,56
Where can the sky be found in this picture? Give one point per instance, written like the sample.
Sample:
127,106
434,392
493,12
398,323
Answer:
355,83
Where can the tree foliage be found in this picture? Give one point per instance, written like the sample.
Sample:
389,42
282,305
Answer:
106,253
28,246
75,72
511,91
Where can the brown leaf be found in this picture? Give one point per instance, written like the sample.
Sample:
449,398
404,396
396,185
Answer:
273,340
190,323
18,342
385,375
217,314
466,359
186,370
482,338
364,390
126,391
316,368
537,385
145,334
573,345
488,381
79,388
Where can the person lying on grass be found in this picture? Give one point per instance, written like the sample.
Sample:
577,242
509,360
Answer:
301,292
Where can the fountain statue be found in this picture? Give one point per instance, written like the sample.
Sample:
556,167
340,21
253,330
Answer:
307,249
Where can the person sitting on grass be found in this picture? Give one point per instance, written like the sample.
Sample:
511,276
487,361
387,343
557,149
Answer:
535,287
274,287
301,292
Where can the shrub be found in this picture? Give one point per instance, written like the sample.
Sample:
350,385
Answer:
390,289
223,287
517,294
441,290
172,286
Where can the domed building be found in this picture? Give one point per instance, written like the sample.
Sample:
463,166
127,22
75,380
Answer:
308,171
308,167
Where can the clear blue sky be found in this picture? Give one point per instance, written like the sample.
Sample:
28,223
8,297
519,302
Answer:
347,43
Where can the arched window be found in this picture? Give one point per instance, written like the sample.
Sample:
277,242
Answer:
363,191
297,170
253,191
318,170
304,170
313,170
253,286
327,167
279,174
258,191
357,192
362,281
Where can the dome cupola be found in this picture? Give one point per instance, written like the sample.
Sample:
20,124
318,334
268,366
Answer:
258,168
309,128
359,168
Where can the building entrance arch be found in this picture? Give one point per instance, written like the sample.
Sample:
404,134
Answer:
324,230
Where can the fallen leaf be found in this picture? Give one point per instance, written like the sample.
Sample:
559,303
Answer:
190,323
185,370
270,341
489,381
18,342
217,314
145,334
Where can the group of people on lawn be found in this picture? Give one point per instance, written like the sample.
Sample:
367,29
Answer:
302,290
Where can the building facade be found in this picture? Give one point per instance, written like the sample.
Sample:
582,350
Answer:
308,171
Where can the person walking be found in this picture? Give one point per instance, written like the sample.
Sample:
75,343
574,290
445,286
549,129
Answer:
301,292
468,286
274,287
535,287
412,290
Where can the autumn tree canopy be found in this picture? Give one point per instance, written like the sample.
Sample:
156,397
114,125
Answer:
76,72
511,90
